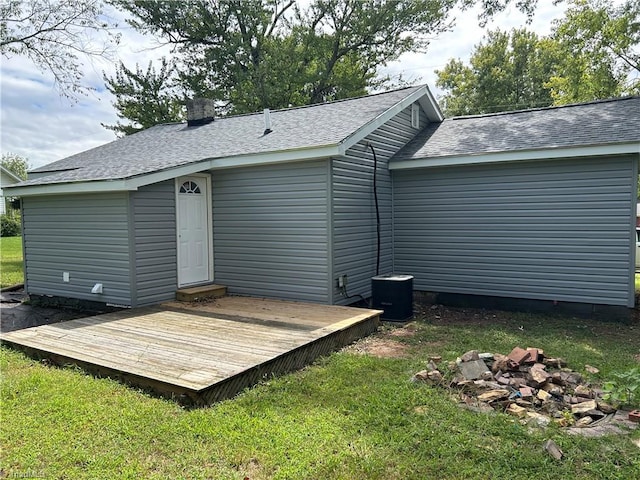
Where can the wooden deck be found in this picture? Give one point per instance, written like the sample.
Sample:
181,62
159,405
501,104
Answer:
199,353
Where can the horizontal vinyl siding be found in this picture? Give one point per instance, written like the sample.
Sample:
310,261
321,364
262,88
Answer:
85,235
354,214
270,231
550,230
154,214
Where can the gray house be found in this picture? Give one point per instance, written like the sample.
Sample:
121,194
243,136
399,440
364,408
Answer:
536,205
278,214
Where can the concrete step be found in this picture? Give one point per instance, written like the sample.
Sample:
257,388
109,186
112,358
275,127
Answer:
200,292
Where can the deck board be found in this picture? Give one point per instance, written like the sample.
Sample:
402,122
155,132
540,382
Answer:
207,351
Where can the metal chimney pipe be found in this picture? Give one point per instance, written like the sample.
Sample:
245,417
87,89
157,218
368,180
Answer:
267,121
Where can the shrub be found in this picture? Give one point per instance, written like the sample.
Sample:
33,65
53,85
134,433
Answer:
625,390
9,227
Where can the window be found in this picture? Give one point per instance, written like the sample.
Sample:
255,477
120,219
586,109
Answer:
415,116
190,187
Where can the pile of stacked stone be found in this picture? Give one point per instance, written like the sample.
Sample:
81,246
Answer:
525,383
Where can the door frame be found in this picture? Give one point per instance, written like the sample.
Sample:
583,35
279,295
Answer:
209,205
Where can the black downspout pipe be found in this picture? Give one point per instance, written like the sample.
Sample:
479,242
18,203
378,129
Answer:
375,198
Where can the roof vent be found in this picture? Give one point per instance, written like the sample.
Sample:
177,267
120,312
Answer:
267,121
200,111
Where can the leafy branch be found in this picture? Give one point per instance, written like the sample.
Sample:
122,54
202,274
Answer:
54,35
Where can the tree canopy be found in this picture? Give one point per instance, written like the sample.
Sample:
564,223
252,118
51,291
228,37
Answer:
507,71
254,54
160,104
599,48
592,53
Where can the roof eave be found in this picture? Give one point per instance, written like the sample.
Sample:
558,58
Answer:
518,155
135,182
96,186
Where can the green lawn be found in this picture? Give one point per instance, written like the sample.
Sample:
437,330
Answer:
347,416
10,261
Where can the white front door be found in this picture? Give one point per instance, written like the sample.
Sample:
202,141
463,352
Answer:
193,202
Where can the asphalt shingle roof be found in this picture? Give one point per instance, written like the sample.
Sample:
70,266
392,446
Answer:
595,123
166,146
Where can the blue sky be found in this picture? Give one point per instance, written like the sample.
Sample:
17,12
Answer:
38,124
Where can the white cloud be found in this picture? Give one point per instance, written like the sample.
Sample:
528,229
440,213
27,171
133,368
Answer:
40,125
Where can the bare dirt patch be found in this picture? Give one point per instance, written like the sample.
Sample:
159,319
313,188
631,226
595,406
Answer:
382,347
384,343
391,341
408,330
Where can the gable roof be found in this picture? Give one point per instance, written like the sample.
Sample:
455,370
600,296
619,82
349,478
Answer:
170,150
596,128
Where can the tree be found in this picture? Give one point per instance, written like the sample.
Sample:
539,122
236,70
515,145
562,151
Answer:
507,71
254,54
146,98
54,35
592,53
15,164
600,46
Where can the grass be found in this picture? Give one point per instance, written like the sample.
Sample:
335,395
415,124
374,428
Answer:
347,416
10,261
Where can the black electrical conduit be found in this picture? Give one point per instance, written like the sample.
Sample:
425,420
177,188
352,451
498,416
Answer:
377,205
375,199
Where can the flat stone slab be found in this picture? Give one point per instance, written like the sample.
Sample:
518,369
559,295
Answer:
473,369
617,424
